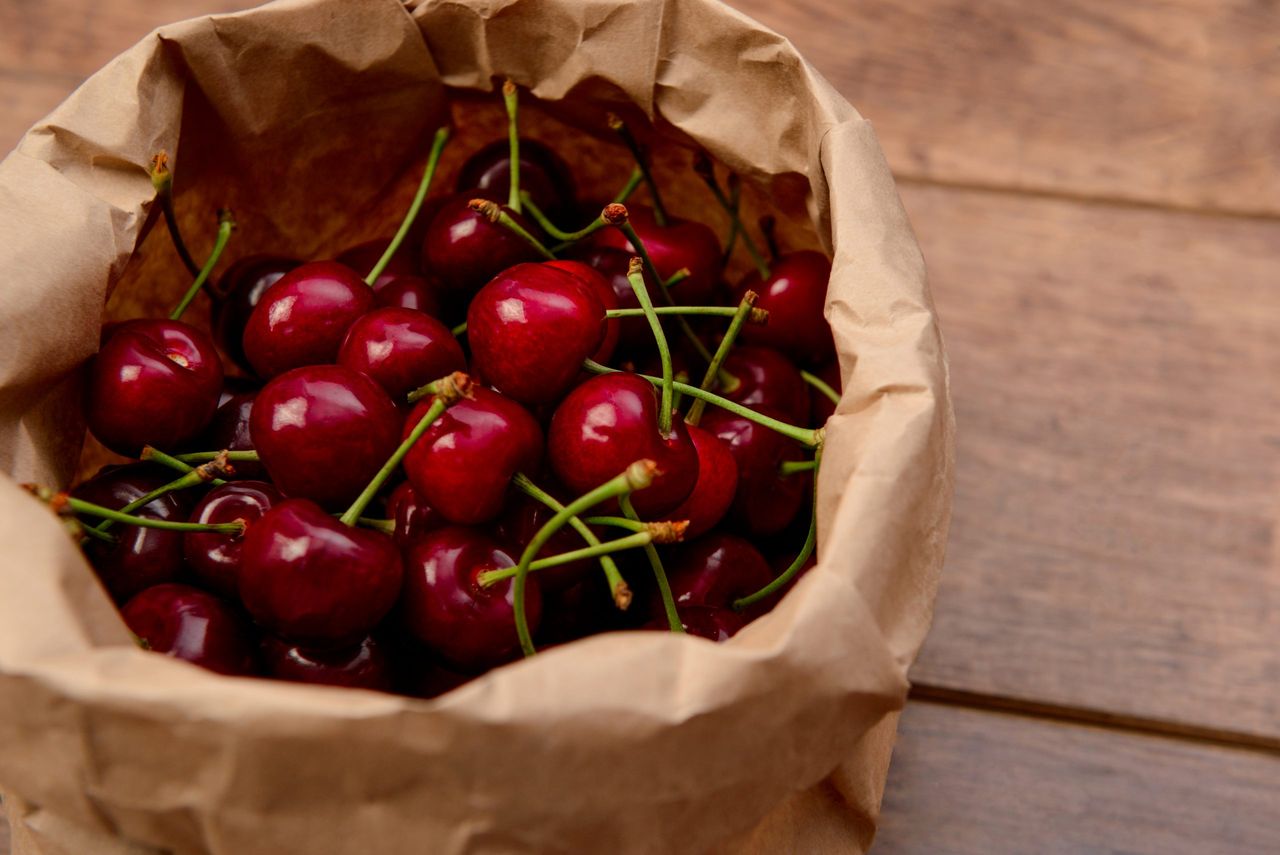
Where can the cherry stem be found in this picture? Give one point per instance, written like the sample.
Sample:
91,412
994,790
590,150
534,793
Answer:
385,526
595,225
202,456
635,275
735,199
810,541
162,181
491,577
194,477
821,385
642,163
706,170
618,587
455,387
79,506
659,572
795,467
714,371
756,316
446,386
433,160
811,437
511,101
494,213
637,476
662,531
226,224
155,455
678,277
768,225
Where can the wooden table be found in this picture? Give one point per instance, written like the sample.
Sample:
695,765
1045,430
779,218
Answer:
1096,186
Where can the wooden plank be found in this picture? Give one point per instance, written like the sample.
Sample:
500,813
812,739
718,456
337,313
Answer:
1114,542
1173,102
966,782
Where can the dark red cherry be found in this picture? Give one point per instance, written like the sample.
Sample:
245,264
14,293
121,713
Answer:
680,243
464,250
362,257
362,666
401,349
794,294
323,432
236,294
214,558
462,465
303,318
405,291
715,488
599,285
470,627
308,578
155,382
706,622
230,430
530,329
714,571
140,557
608,423
189,624
765,502
634,334
420,677
821,407
517,526
543,175
767,380
412,515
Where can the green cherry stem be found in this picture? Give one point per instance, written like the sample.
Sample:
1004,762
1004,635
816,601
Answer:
155,455
805,436
618,588
642,163
433,160
810,540
202,456
715,374
162,181
494,213
703,166
662,531
794,467
659,572
511,101
636,477
226,224
678,277
202,474
384,526
633,541
635,275
755,316
595,225
821,385
83,508
456,387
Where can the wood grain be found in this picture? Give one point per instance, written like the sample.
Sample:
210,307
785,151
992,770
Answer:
1172,102
1114,540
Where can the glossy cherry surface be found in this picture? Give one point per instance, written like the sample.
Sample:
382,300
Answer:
634,334
462,465
765,501
715,488
601,287
767,380
543,175
412,515
794,294
530,328
471,628
407,291
237,293
310,579
679,244
193,625
401,349
716,570
155,382
214,558
303,318
323,432
608,423
361,666
229,429
464,250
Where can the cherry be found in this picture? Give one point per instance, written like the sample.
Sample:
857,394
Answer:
530,329
140,557
401,349
420,677
323,431
610,421
189,624
767,380
413,517
362,257
714,571
303,318
465,250
310,579
462,465
766,501
406,291
601,287
543,175
155,382
469,626
821,407
678,244
215,558
236,294
714,490
713,624
517,526
794,294
634,334
362,666
230,430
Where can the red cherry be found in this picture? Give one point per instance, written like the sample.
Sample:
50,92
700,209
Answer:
230,430
766,501
794,294
706,622
462,465
401,349
140,557
608,423
303,318
237,292
214,558
715,488
189,624
362,257
543,175
154,383
821,407
530,329
767,380
362,666
413,516
323,432
678,244
634,334
308,578
404,291
464,250
716,570
600,286
517,526
470,627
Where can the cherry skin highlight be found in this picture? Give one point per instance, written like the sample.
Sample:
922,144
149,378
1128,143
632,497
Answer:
229,430
401,349
362,666
237,293
214,558
795,295
412,515
192,625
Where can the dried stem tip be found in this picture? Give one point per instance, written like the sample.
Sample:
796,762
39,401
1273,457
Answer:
217,467
635,266
641,474
614,121
758,316
454,388
161,177
615,214
491,211
622,596
667,531
508,87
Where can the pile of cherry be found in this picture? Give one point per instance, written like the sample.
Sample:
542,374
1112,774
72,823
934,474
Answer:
505,436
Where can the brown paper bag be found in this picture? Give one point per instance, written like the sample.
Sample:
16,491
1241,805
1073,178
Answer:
311,119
